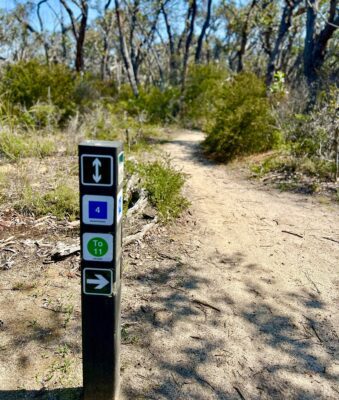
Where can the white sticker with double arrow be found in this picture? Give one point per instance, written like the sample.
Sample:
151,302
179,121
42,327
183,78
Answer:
96,170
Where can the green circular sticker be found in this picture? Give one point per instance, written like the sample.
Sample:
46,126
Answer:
97,246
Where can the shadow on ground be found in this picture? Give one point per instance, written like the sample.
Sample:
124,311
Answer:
53,394
287,326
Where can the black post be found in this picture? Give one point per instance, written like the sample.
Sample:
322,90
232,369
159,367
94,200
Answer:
101,203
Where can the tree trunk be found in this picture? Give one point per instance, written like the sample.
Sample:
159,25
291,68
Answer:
203,32
188,42
80,33
124,52
285,24
316,44
244,37
171,45
79,58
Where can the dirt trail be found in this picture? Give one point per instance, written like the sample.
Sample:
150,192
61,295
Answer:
236,300
251,311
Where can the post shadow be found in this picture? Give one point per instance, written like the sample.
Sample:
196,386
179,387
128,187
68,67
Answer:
43,394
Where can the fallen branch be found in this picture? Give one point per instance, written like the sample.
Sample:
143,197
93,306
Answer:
312,326
140,205
139,236
170,257
332,240
311,281
316,333
206,383
64,252
294,234
239,393
204,303
131,184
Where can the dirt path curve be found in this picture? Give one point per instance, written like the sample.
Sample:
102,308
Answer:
253,311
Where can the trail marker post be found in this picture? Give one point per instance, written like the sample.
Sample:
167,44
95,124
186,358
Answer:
101,166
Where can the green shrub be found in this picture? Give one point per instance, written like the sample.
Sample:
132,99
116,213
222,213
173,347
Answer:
288,164
274,162
164,185
203,90
154,105
27,83
161,106
243,123
44,115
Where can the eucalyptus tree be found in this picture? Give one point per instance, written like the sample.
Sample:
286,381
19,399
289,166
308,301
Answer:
77,11
322,21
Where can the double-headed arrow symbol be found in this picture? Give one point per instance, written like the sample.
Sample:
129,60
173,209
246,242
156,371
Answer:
96,164
101,282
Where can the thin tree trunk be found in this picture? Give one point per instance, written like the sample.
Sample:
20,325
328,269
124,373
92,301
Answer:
171,45
124,52
244,37
79,59
44,39
285,24
107,30
203,32
316,44
188,44
79,34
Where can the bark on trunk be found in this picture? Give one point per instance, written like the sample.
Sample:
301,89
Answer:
285,24
203,32
244,37
188,42
124,52
316,44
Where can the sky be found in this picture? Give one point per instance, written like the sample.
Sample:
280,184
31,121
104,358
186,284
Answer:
46,11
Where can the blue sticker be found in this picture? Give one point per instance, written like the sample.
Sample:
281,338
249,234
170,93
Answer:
120,205
97,209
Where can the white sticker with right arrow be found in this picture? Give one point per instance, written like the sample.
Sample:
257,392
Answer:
98,281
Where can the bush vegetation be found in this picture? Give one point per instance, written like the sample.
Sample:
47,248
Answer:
238,113
15,146
164,185
62,202
28,83
242,123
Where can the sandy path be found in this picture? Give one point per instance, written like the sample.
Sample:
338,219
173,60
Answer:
274,331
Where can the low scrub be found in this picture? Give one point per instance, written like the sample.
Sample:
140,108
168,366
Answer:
164,185
242,123
153,105
15,146
106,123
62,202
287,164
25,84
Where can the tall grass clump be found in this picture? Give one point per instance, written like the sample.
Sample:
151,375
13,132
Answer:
14,146
62,202
242,123
164,185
